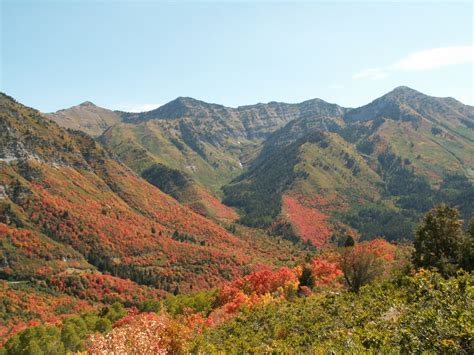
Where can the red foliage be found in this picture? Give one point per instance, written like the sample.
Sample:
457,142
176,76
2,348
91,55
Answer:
28,307
326,273
77,209
250,289
104,288
309,223
210,206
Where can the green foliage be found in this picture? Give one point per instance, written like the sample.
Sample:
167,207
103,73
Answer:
440,314
114,312
198,302
35,340
69,337
440,242
150,306
374,221
413,315
168,180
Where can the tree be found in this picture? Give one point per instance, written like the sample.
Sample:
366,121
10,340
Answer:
103,325
35,340
439,241
360,266
307,277
150,305
70,337
349,241
467,250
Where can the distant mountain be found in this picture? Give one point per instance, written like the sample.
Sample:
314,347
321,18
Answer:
207,144
86,117
407,104
375,169
435,134
388,161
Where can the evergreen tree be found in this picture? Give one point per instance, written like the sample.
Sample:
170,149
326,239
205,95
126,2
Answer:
349,242
440,240
467,249
307,277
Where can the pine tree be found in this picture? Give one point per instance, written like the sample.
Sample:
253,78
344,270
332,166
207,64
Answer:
439,241
349,241
307,277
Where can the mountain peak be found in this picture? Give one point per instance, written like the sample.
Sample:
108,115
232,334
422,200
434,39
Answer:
186,100
403,92
403,88
88,104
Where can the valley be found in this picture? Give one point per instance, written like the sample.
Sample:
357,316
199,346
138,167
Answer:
206,210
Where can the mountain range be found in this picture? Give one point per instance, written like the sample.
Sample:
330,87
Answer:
99,206
69,208
367,170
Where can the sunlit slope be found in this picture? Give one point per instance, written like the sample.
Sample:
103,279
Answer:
375,168
97,213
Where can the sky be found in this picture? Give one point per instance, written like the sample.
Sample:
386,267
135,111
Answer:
137,55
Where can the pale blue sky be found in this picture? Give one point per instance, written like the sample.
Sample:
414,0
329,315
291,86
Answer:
129,55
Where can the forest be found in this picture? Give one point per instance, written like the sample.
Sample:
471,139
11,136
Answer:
362,296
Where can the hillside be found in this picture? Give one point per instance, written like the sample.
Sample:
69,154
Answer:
206,144
65,187
389,160
82,232
374,168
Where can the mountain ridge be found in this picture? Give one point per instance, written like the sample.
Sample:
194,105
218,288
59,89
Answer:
212,146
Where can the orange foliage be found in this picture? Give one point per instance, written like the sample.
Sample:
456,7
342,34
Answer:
25,308
253,288
147,333
309,223
134,225
326,273
214,208
104,288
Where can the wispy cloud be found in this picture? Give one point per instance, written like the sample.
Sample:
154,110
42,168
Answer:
139,107
423,60
436,58
371,74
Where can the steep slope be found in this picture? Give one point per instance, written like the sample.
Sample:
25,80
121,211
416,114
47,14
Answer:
375,168
89,212
389,160
318,172
86,117
205,144
435,134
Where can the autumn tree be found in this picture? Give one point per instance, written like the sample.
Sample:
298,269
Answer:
360,266
440,241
